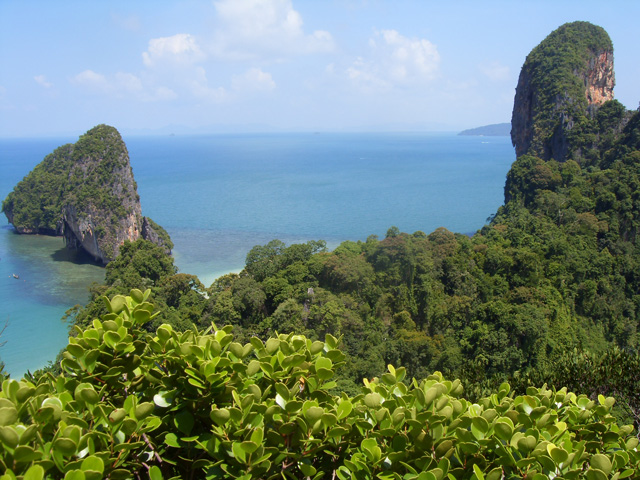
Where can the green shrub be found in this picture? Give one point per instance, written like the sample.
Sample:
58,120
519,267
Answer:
200,405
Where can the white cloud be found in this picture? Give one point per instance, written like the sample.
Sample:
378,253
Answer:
119,85
253,79
365,75
93,81
496,71
42,80
127,82
200,88
157,94
265,27
163,93
395,60
179,49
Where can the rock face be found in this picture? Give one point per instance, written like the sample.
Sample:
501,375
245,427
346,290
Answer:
86,193
561,85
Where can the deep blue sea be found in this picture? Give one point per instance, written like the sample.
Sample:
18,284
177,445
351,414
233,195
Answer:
219,195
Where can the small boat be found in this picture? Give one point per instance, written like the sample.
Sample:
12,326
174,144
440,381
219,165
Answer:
15,276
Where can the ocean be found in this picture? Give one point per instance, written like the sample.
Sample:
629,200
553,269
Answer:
220,195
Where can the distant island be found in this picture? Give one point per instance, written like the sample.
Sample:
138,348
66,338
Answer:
494,130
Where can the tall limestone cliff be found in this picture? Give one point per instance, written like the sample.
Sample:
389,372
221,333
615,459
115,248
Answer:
86,193
562,84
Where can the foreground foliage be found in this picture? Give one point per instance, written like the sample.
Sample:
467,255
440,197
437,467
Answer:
200,405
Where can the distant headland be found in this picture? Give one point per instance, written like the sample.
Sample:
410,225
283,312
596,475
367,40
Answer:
493,130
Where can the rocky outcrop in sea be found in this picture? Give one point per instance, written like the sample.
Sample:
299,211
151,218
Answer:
86,193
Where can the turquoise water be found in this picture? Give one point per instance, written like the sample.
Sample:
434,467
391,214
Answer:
220,195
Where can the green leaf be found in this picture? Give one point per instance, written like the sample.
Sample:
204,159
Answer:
344,409
324,362
281,401
75,350
9,437
65,446
184,421
343,473
257,435
526,444
478,471
283,391
26,454
137,295
155,473
239,452
559,455
316,347
371,449
601,462
372,400
94,463
236,349
141,316
328,419
163,399
253,367
74,475
117,303
111,339
249,447
272,345
8,416
117,415
143,410
596,474
388,379
89,395
313,414
293,406
479,427
495,474
35,472
324,373
426,476
503,430
307,470
172,440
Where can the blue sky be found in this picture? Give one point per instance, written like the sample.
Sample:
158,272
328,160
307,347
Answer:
257,65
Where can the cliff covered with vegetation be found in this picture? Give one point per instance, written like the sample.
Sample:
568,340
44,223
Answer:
86,193
562,84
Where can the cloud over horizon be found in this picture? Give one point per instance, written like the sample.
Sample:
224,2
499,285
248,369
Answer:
395,61
259,28
180,49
